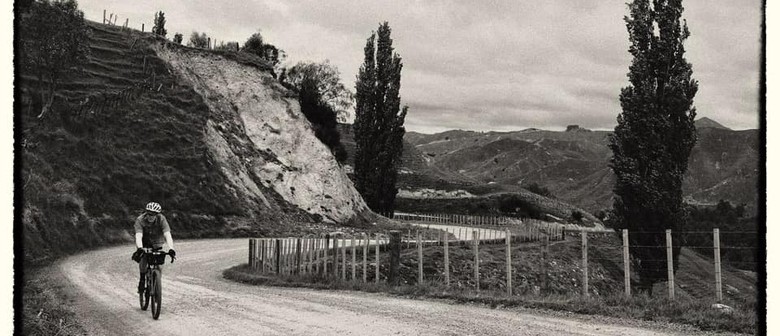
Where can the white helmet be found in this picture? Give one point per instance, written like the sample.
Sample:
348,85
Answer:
153,207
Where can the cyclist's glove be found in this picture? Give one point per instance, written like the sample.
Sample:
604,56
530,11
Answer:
172,253
137,255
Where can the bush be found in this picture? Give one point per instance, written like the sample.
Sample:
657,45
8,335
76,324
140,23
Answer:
576,216
539,190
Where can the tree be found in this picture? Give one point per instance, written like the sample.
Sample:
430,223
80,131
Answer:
320,94
159,24
327,84
322,118
199,40
378,124
255,45
54,42
654,136
177,38
230,46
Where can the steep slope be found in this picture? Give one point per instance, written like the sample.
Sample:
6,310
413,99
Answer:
304,171
235,159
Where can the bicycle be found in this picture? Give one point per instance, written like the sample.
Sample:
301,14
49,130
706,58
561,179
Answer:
152,292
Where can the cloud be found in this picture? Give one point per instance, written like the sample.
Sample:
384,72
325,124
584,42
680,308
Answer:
492,64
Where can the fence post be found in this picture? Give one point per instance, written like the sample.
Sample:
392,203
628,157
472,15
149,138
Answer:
365,257
718,283
584,263
251,255
508,262
278,253
476,258
343,258
419,259
104,16
298,256
447,259
316,255
626,269
354,262
545,246
326,249
395,257
262,255
376,256
669,264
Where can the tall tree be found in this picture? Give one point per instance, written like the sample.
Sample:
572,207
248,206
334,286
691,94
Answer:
654,136
378,124
159,24
54,42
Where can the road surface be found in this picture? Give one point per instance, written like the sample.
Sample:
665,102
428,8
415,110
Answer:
198,301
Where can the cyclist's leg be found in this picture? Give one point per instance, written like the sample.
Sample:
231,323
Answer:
142,272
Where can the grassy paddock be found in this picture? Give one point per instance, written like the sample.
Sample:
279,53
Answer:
688,312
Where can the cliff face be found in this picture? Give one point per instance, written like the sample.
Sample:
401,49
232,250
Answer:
283,152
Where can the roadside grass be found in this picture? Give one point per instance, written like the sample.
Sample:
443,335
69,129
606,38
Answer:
46,310
695,313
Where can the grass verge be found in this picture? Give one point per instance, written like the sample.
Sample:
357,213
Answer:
45,308
687,312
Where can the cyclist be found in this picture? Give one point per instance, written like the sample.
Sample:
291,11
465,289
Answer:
151,231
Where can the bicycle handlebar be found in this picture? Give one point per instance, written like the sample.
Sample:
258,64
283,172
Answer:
158,250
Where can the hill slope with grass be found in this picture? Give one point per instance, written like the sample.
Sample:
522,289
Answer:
573,164
210,135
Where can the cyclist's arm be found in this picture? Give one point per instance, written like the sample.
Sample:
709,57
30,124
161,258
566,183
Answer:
139,239
167,232
168,239
139,233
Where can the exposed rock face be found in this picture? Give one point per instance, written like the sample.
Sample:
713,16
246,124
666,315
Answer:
261,137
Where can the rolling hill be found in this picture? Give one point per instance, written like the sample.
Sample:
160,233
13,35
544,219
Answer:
574,164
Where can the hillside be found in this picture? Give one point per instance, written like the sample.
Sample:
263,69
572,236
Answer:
426,186
210,135
574,164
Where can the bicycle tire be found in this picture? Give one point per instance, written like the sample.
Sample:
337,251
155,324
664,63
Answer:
156,294
144,295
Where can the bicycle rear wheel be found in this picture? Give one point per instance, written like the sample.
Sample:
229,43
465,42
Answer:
156,294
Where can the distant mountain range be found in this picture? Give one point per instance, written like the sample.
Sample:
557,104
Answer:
573,164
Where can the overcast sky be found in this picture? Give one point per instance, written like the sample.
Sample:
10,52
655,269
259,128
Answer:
488,65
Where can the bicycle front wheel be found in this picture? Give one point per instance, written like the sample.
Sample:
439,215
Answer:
143,296
156,294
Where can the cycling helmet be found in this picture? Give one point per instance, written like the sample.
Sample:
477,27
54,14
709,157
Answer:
153,207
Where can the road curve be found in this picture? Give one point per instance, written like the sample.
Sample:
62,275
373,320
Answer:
198,301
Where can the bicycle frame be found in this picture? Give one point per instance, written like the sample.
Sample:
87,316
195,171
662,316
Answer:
153,291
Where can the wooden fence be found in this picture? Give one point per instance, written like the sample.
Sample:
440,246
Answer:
357,258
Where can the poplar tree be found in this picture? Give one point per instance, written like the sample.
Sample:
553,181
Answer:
654,136
159,24
378,124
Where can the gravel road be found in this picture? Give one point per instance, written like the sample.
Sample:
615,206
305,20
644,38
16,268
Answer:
198,301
